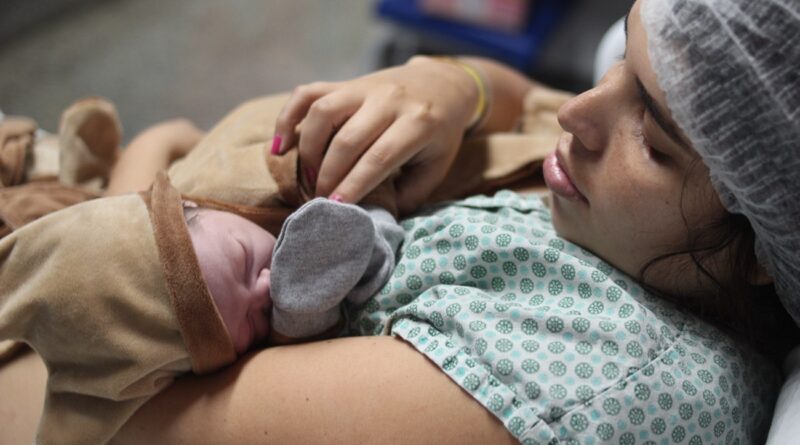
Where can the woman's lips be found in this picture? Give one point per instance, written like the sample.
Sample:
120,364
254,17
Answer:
558,181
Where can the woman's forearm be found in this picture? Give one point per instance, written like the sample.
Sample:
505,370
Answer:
332,392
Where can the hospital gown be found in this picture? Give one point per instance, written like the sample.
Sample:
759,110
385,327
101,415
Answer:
555,342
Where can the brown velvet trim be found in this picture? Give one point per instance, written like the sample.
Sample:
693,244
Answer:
270,218
206,338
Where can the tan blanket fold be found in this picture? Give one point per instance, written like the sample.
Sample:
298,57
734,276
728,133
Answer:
17,135
31,182
85,288
25,203
229,163
89,135
490,163
26,155
540,114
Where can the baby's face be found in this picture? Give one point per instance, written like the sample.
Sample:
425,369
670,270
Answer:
235,257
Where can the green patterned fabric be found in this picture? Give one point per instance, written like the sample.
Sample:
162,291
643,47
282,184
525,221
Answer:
556,343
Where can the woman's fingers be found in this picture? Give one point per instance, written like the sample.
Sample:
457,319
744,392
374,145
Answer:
295,110
351,141
406,137
324,116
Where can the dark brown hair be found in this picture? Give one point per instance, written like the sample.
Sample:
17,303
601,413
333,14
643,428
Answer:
748,311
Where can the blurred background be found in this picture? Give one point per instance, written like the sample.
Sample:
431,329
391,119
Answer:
159,59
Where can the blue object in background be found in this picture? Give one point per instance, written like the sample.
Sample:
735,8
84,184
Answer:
516,49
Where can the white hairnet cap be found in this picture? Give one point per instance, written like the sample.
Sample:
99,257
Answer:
730,70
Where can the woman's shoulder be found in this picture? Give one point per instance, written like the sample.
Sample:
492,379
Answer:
528,322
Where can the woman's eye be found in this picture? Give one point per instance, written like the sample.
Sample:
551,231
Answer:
652,151
657,155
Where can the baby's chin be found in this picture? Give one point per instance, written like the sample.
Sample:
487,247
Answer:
252,338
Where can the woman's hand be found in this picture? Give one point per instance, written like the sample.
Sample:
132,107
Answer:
354,134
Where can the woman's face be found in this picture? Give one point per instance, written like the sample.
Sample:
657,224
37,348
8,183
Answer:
235,257
619,171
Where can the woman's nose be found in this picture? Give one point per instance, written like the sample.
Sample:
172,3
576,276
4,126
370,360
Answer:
589,115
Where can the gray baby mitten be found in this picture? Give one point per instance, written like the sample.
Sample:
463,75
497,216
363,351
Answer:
388,237
326,252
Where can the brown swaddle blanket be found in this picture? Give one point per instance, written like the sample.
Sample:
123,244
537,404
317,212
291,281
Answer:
109,293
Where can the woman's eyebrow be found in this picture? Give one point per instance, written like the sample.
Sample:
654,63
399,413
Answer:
653,108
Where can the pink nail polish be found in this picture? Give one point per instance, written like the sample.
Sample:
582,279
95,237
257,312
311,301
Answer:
276,145
336,197
311,176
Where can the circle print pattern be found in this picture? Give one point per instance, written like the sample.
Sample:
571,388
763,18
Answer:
554,342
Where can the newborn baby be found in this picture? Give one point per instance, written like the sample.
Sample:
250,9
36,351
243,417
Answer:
120,295
326,252
235,257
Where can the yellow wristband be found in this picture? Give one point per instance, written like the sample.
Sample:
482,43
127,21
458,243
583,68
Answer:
483,94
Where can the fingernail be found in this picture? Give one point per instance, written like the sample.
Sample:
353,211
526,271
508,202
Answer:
336,197
311,176
276,145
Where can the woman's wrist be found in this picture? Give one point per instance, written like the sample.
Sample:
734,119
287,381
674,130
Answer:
470,82
507,89
481,84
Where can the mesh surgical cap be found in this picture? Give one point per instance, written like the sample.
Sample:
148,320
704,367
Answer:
730,72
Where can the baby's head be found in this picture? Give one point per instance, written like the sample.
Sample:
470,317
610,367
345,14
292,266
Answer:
235,257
